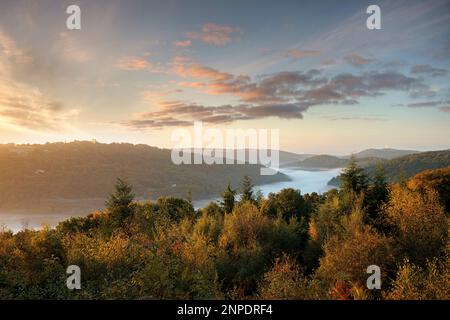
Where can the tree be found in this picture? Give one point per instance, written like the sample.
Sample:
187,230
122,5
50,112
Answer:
376,196
290,203
438,179
348,254
118,204
228,201
427,283
418,223
284,281
353,178
247,192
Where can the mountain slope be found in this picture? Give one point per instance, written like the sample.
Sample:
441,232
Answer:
48,176
330,162
385,153
408,166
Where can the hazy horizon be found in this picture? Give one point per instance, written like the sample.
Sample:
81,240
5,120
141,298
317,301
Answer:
341,153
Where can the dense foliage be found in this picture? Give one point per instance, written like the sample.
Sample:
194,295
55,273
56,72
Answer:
283,246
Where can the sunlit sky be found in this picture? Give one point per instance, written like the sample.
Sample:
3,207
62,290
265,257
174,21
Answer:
137,70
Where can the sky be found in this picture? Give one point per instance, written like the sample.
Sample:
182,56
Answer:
138,70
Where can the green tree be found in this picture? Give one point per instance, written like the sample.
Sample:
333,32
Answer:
353,177
247,190
228,201
376,196
119,203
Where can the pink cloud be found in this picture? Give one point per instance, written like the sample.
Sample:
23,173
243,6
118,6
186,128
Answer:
187,69
133,63
298,54
215,34
185,43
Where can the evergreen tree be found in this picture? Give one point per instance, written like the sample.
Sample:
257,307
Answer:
228,201
119,202
380,186
376,196
247,191
353,178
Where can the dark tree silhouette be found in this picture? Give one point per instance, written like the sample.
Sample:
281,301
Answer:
228,199
119,202
353,178
247,190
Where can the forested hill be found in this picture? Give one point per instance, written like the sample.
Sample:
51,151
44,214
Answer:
408,166
48,176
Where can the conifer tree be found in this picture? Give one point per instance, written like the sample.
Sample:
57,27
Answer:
247,191
119,202
228,197
353,178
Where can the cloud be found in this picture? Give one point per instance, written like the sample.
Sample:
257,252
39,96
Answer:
185,43
23,105
133,64
178,113
357,61
427,69
311,87
185,68
72,50
215,34
358,118
424,104
11,54
329,62
285,95
298,54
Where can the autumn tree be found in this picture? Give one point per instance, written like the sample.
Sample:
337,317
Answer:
418,223
348,254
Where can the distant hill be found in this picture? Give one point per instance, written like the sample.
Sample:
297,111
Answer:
330,162
385,153
60,175
322,161
408,166
286,159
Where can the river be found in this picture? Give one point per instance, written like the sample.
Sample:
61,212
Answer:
305,181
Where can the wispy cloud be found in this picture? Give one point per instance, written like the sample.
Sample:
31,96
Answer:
298,54
133,63
72,50
357,61
215,34
179,113
182,43
427,69
23,105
